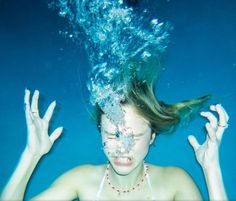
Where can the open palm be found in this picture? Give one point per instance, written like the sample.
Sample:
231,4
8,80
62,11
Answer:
207,154
39,142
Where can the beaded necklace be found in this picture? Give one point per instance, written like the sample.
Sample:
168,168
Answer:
124,191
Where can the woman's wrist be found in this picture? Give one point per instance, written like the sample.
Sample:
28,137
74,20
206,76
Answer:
212,167
31,156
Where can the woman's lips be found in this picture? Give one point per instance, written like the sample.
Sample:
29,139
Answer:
124,161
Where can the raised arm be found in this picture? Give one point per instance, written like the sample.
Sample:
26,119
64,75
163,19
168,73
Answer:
207,154
38,144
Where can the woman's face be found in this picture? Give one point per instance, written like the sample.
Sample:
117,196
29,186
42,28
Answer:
126,146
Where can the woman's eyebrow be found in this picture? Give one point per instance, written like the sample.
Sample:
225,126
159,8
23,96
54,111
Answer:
110,133
138,134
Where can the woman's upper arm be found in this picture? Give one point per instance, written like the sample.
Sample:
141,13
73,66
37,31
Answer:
186,189
55,193
64,188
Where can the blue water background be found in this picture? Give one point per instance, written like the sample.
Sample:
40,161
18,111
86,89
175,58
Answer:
201,59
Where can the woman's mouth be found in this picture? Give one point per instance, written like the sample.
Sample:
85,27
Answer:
123,161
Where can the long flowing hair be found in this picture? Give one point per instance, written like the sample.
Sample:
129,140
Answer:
162,117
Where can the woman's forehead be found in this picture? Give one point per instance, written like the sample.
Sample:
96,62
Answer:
132,119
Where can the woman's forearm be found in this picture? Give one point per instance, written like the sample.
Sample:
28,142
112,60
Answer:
215,184
16,186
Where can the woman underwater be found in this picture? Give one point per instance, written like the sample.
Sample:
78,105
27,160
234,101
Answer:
128,126
126,176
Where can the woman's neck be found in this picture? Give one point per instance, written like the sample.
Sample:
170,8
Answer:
127,181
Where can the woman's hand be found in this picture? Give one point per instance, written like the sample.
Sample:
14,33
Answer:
207,154
39,142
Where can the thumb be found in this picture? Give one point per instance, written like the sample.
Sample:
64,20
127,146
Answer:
194,143
56,134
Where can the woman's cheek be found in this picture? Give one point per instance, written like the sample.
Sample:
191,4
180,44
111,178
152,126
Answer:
109,146
111,143
141,147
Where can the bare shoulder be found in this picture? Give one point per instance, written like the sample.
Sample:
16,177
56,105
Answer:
86,171
79,175
176,173
178,181
170,173
69,185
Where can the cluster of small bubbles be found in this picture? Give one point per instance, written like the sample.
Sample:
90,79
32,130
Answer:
102,85
125,142
114,36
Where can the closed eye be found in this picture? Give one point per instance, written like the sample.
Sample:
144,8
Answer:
110,135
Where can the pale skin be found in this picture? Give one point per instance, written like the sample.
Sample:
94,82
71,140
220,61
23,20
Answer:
83,181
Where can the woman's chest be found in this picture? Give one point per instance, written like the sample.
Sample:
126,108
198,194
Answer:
145,192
